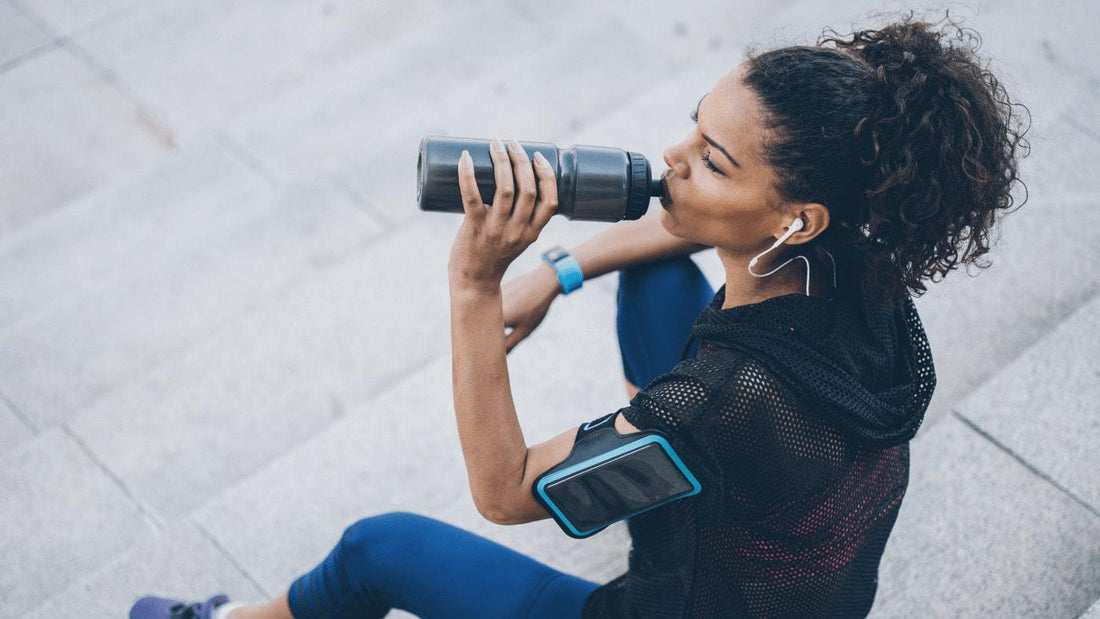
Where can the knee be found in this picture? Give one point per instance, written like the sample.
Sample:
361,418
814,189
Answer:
376,539
381,526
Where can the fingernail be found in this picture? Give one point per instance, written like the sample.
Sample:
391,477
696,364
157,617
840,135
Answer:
540,159
465,158
498,145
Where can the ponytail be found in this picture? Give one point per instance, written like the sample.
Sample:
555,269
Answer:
910,143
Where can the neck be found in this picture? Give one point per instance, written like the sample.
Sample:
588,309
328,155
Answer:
742,288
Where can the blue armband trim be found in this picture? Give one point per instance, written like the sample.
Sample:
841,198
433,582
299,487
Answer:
609,477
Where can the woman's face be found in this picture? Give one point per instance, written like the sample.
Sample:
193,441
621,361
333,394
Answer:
728,206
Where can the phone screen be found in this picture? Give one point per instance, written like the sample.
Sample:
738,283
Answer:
619,487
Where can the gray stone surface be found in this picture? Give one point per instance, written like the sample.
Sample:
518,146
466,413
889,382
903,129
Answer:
69,254
980,535
275,374
189,308
246,248
1093,612
196,63
62,516
180,563
1043,407
65,132
19,35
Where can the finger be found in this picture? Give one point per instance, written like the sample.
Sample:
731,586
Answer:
548,193
513,338
467,185
502,173
526,190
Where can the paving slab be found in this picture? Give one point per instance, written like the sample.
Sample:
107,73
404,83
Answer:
67,16
685,32
70,253
980,535
62,516
19,35
63,360
275,374
1043,406
181,563
14,430
66,131
195,63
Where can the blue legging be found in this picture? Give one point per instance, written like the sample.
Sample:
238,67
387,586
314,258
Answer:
433,569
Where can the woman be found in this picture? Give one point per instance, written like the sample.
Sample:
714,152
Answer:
833,181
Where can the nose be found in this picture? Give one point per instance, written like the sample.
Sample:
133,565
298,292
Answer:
673,159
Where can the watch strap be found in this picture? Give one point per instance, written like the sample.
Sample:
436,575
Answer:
565,265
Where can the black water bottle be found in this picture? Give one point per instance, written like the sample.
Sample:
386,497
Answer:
595,183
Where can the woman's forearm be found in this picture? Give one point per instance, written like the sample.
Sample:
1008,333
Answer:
627,243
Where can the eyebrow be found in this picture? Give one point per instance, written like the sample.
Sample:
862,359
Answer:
709,140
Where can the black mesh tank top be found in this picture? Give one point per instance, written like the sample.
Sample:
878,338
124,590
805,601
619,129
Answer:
795,414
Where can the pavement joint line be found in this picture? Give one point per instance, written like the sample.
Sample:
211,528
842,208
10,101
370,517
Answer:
388,224
95,23
30,55
1082,128
247,157
144,509
229,556
161,129
19,413
989,437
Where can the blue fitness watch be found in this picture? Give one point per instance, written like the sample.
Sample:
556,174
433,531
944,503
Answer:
609,477
569,272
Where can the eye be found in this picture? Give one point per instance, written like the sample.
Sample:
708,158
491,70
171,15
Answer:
707,162
706,156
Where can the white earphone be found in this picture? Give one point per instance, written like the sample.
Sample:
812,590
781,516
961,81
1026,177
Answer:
795,226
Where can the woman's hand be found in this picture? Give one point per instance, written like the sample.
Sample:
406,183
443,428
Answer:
492,236
527,298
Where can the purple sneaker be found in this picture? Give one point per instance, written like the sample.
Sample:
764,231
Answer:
164,608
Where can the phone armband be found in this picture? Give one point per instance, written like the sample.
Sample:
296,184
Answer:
609,477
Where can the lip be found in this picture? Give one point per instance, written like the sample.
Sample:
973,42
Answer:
665,198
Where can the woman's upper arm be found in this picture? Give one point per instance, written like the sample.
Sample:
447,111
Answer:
521,507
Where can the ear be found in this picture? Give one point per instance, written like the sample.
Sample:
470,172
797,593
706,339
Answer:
815,218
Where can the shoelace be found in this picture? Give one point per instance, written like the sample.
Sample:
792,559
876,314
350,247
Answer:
182,611
198,609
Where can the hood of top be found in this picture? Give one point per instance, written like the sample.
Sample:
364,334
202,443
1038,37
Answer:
863,365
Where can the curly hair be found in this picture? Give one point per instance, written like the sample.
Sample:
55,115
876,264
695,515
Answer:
911,145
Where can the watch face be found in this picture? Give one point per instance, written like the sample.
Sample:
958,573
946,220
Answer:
555,254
